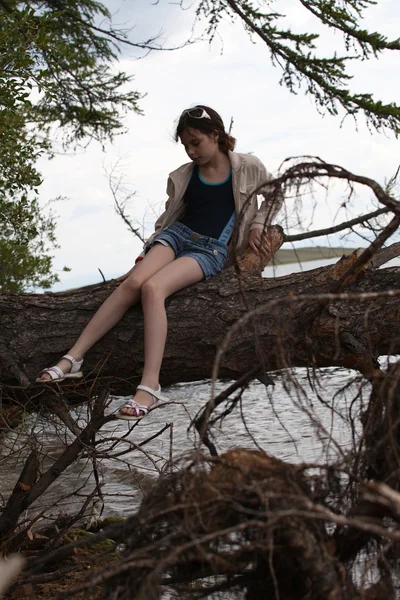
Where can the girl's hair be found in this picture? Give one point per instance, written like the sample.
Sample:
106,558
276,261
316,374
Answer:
205,119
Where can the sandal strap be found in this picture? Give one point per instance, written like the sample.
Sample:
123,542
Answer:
54,372
75,364
156,394
136,406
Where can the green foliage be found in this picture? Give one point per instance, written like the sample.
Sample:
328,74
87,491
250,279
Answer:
326,79
56,70
26,238
57,53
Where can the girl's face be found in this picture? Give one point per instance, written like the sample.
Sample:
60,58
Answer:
200,147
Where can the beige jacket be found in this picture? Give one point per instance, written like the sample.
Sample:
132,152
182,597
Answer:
248,175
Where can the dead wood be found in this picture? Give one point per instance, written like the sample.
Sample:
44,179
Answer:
38,329
30,487
252,530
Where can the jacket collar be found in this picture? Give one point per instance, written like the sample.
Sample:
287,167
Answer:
236,160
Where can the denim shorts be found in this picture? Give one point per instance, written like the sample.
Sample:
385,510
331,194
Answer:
207,251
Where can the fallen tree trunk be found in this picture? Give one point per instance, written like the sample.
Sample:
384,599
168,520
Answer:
294,323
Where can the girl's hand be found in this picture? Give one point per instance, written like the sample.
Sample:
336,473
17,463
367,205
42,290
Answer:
258,242
122,278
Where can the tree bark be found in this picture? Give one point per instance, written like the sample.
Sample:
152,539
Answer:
293,325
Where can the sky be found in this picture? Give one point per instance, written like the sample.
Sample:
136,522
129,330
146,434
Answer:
234,75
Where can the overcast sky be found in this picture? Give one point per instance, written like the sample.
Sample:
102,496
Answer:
235,76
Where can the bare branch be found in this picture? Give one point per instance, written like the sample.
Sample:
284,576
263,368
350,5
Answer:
336,228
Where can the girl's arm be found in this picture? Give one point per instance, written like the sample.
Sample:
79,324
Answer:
122,278
270,206
273,199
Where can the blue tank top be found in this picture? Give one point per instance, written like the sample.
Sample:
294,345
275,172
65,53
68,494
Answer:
209,206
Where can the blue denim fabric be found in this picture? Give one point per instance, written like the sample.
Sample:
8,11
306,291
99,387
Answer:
208,252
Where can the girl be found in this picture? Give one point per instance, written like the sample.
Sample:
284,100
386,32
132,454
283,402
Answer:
190,243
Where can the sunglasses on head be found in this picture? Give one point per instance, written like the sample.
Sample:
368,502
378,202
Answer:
196,113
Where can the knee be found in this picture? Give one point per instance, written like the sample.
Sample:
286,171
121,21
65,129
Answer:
152,291
131,286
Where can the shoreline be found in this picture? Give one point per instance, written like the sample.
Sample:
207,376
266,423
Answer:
296,255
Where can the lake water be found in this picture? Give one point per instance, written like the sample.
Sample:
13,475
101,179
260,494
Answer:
291,420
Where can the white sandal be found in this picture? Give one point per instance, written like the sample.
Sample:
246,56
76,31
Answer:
158,399
56,374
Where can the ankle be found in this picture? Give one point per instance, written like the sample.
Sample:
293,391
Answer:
150,382
78,356
67,366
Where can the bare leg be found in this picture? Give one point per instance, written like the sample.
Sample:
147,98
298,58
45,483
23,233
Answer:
181,273
113,309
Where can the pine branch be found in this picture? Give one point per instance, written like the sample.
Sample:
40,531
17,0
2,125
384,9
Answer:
324,77
342,20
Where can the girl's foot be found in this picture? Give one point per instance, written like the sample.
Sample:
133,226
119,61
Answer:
143,401
68,367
